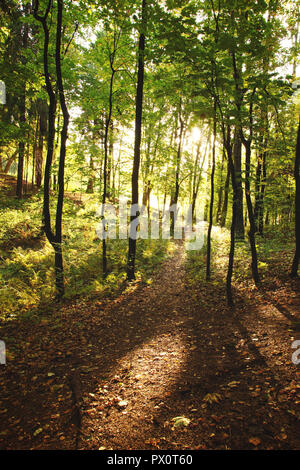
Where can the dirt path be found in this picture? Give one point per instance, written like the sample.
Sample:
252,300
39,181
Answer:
115,376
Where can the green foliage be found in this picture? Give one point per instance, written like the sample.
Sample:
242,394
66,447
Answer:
198,54
27,273
276,240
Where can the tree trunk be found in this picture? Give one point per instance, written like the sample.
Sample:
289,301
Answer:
251,233
225,202
208,251
106,169
220,192
194,181
137,148
147,181
295,264
55,238
39,159
41,133
262,195
110,154
237,152
91,180
10,161
61,168
232,230
175,195
257,191
22,108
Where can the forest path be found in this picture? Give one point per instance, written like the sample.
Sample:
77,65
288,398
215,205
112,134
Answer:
115,375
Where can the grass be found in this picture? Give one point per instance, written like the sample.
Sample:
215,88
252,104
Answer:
27,258
275,240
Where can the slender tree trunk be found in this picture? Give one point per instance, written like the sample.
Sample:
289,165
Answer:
220,192
260,183
27,162
251,232
194,181
51,121
295,264
247,145
175,194
147,180
41,133
110,155
257,191
61,168
228,147
237,152
178,164
55,238
137,149
262,195
208,180
34,151
232,230
91,180
208,251
39,159
226,193
119,169
22,108
295,44
106,171
55,149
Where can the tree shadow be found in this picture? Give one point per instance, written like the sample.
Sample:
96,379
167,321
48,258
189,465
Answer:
164,350
234,388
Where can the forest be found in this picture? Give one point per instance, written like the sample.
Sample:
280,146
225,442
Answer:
149,225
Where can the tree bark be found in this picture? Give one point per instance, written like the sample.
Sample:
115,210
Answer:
208,250
220,191
106,170
251,232
10,161
232,229
226,193
54,237
91,180
237,152
61,168
39,159
137,147
258,177
295,264
262,195
175,193
22,108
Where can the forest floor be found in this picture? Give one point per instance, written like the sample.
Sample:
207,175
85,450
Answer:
8,184
162,366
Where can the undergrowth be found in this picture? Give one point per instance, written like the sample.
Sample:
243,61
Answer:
274,244
27,259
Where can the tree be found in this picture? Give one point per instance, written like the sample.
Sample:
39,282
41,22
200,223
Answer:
210,224
295,264
137,148
54,237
